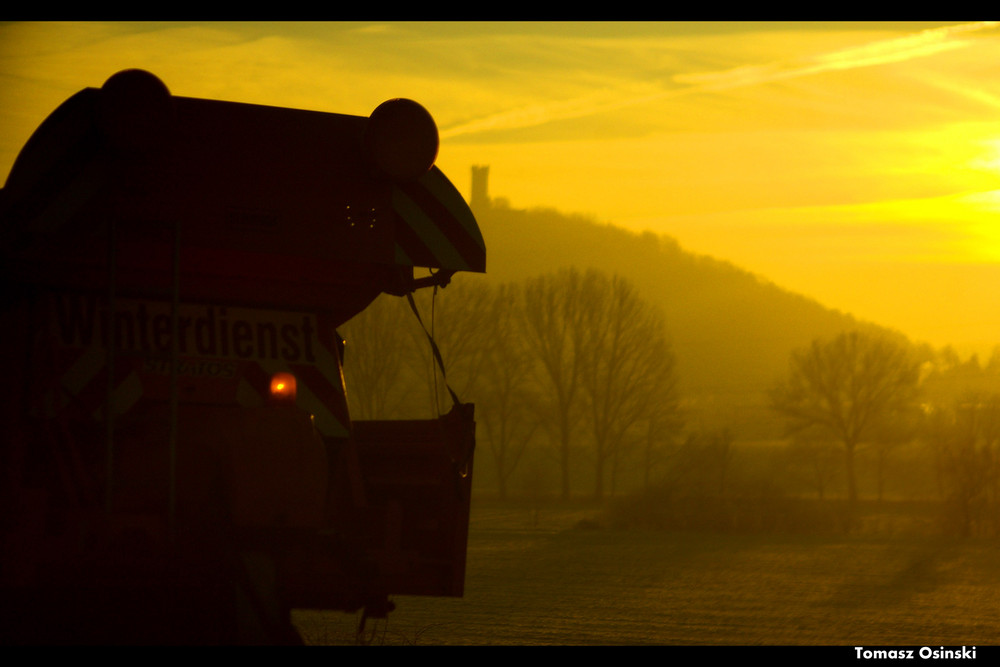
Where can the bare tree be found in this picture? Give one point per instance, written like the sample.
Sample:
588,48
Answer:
502,394
391,362
457,320
847,387
628,369
605,368
553,312
478,331
377,345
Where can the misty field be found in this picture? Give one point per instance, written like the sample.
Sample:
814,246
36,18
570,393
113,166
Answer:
557,576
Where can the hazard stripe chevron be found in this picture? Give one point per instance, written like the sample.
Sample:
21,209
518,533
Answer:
124,396
83,370
83,386
438,227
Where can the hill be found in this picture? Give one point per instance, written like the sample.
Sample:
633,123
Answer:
732,330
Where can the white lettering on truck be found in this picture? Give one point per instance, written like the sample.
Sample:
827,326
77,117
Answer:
204,330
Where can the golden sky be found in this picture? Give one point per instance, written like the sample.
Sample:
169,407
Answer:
857,163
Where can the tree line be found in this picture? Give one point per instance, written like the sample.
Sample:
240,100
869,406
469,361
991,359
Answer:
889,435
574,362
870,390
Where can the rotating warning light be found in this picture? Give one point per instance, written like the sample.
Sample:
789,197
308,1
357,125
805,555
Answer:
283,388
136,110
401,139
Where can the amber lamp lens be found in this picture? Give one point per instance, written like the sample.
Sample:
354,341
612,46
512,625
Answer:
283,386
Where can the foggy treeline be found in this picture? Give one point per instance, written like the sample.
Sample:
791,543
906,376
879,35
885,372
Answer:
573,365
687,392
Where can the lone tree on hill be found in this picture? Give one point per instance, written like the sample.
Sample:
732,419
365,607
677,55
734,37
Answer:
851,387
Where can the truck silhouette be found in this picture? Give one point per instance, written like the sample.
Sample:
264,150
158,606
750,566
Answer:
179,462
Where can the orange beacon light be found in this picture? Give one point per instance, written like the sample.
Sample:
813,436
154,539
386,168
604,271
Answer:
283,388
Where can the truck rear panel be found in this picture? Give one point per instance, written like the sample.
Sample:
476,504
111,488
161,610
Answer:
178,434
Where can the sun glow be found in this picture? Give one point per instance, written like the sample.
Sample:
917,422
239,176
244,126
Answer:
990,160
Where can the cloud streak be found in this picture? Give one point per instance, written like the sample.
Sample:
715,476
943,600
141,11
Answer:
917,45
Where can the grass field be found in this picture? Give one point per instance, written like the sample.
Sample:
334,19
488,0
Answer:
557,577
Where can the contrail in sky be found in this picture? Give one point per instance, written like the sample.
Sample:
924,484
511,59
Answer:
921,44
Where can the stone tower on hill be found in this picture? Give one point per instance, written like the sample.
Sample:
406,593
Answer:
480,198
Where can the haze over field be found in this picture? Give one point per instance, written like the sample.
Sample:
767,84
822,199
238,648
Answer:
857,163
